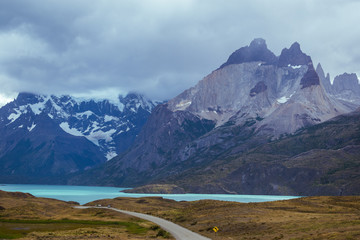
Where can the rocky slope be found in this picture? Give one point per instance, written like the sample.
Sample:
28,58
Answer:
254,98
44,137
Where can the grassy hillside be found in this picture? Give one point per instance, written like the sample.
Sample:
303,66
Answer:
27,217
303,218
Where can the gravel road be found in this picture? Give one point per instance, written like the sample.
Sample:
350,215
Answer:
178,232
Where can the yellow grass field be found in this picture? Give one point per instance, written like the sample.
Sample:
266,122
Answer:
23,216
303,218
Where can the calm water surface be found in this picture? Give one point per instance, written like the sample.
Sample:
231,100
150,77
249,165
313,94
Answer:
84,194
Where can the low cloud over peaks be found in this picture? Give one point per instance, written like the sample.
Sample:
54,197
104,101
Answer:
159,47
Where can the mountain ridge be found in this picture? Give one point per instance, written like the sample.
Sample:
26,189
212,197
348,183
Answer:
66,134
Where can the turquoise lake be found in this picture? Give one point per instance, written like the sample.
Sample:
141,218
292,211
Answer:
85,194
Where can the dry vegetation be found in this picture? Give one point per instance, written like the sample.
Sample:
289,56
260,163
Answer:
304,218
23,216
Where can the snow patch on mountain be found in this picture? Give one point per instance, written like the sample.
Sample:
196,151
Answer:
87,114
93,133
38,107
283,99
98,135
73,131
13,116
108,118
110,155
295,67
59,110
182,105
31,127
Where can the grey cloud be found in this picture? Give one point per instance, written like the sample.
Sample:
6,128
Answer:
159,47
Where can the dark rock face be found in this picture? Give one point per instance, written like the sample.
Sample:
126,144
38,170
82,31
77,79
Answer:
259,88
293,56
276,179
310,78
257,51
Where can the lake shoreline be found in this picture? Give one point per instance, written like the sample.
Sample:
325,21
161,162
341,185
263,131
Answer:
85,194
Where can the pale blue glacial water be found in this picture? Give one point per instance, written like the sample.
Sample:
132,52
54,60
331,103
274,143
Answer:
84,194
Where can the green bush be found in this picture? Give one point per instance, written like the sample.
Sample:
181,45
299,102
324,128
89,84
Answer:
163,233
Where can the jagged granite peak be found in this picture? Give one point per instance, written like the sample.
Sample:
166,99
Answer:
346,81
135,100
345,87
325,80
256,51
320,71
238,92
293,56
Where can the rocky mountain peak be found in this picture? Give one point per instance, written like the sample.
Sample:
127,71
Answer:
346,81
325,80
256,51
258,43
293,56
27,98
295,47
134,101
320,71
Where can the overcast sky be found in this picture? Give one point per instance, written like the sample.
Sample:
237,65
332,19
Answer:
159,47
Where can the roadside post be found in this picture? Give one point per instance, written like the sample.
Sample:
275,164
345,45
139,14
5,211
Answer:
215,229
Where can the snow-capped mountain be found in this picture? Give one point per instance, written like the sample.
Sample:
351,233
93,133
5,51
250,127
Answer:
103,122
96,130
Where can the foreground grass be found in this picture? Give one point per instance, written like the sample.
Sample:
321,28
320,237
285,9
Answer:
10,228
26,217
23,216
303,218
